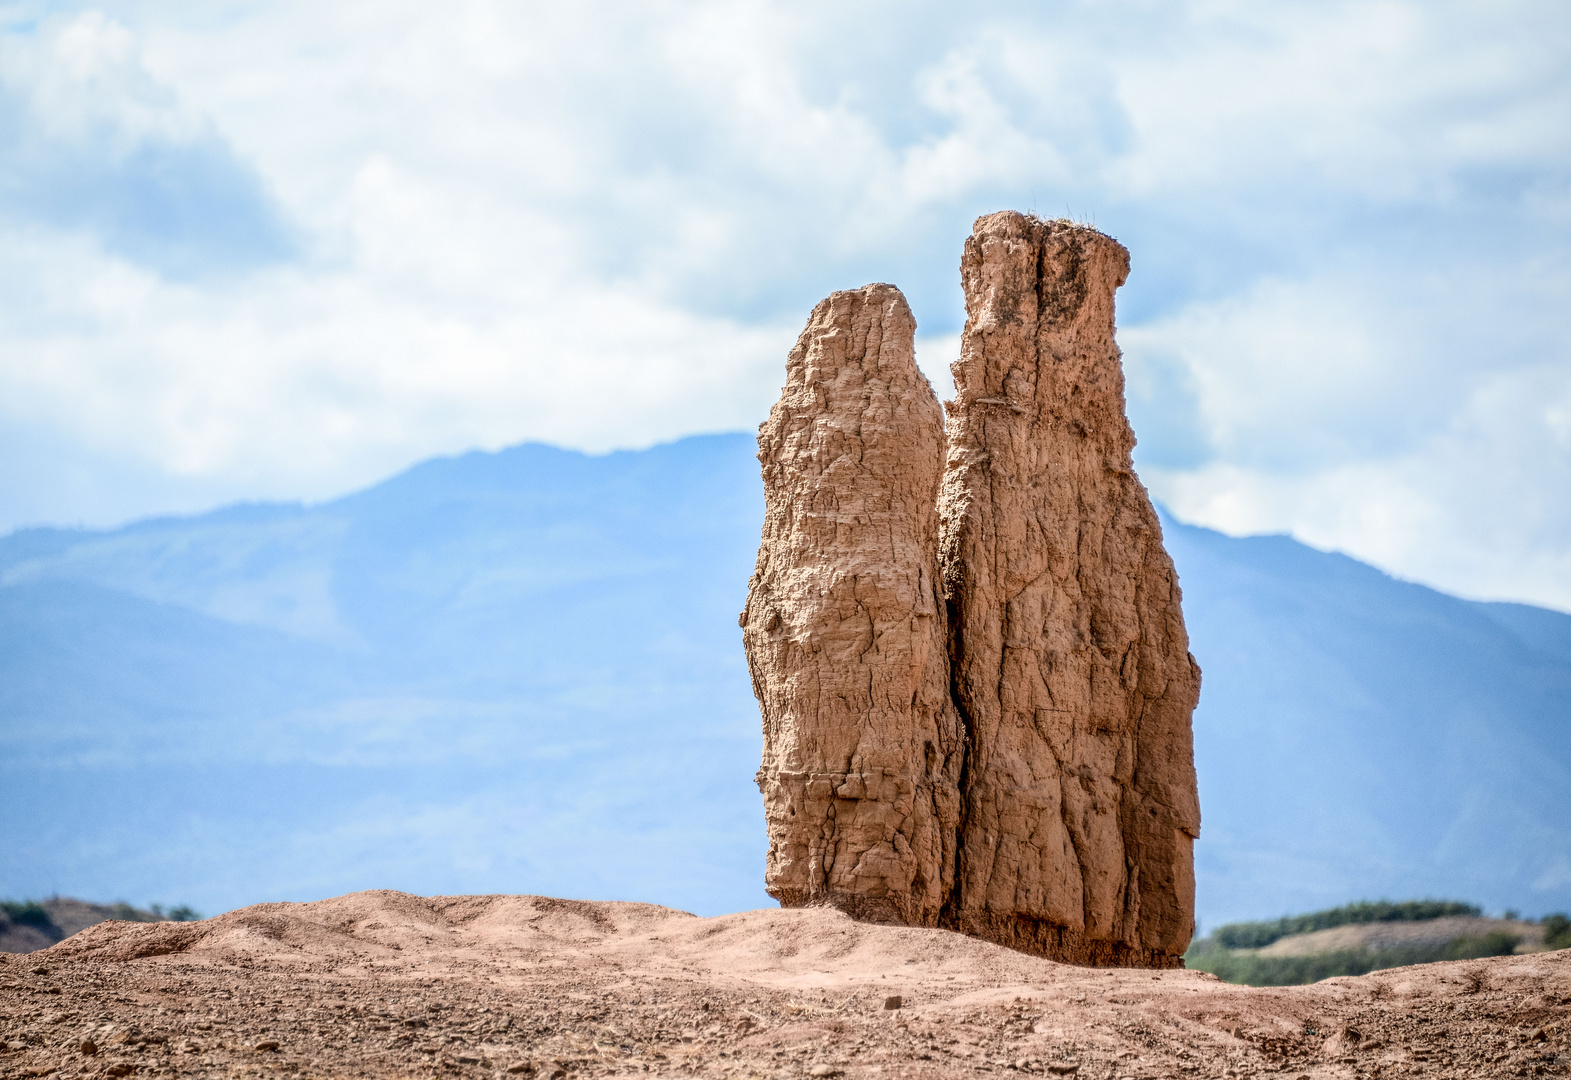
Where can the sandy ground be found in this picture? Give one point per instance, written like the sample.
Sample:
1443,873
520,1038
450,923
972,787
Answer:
385,984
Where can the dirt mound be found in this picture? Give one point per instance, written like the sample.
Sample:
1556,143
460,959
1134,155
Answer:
386,984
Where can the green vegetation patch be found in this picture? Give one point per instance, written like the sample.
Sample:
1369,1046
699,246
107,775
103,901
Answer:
1257,935
37,914
1230,953
28,913
156,912
1252,969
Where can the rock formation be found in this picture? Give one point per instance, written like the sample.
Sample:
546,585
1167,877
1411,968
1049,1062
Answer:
844,624
1072,666
973,673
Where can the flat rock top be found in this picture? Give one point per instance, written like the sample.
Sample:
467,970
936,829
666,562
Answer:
384,984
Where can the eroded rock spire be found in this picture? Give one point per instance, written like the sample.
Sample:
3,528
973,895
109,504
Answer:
844,625
976,689
1072,665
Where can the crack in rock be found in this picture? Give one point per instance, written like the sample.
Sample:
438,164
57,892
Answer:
966,638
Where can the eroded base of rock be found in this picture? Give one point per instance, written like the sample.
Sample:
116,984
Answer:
1038,937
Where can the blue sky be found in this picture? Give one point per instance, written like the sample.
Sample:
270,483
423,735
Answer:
280,250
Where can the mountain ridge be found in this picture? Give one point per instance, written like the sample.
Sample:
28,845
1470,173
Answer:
520,670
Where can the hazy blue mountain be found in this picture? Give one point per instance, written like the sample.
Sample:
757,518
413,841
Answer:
1360,736
520,672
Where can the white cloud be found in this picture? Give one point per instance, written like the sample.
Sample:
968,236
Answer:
1478,505
322,242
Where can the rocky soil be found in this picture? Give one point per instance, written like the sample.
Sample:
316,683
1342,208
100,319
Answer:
386,984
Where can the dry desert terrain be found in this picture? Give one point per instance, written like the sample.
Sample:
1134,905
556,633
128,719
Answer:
384,984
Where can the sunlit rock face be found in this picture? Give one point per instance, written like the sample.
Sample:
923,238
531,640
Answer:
1071,663
967,644
845,628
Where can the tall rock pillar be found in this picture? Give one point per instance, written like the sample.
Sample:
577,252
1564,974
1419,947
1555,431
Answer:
844,626
1071,663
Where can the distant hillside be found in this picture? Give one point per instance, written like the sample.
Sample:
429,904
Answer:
1265,933
30,925
520,672
1356,939
508,672
1363,736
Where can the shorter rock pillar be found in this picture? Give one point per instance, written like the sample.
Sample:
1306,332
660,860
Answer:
844,627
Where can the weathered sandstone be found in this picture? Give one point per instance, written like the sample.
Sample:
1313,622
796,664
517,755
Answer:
844,625
974,674
1072,668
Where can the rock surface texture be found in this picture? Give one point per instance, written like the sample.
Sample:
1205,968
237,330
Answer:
844,624
973,672
1072,666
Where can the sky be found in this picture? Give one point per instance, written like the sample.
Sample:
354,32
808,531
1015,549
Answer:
279,250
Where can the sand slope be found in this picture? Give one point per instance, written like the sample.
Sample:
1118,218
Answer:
388,984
